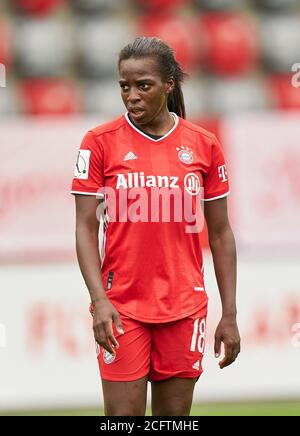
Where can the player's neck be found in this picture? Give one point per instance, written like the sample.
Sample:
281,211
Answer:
159,126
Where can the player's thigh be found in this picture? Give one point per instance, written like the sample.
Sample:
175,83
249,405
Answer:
125,398
177,350
173,396
124,376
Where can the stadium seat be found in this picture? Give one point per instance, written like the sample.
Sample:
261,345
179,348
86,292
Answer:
50,97
284,94
103,97
44,47
236,95
92,6
161,5
277,4
281,41
179,33
37,6
6,44
219,4
99,42
8,102
231,43
195,98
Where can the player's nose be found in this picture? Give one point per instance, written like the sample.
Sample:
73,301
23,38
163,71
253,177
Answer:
133,96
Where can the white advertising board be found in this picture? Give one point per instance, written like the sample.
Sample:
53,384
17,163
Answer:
48,358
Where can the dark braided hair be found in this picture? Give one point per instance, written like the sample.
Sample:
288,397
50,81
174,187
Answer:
169,67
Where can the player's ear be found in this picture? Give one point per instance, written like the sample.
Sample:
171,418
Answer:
170,85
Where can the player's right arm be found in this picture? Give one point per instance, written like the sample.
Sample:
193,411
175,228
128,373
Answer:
88,180
104,313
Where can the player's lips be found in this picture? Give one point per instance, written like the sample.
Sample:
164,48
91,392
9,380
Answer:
136,113
135,110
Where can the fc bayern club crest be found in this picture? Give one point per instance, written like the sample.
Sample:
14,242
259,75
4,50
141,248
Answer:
185,155
108,357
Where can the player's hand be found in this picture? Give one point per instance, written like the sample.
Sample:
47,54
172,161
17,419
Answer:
228,333
104,315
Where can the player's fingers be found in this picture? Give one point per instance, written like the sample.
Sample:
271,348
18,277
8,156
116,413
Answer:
110,335
236,350
107,346
229,355
217,347
118,323
101,337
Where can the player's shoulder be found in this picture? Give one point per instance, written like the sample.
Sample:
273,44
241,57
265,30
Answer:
205,134
108,127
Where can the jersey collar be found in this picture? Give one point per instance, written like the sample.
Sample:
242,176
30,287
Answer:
176,119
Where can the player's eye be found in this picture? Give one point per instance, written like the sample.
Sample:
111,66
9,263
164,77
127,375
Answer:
124,88
144,86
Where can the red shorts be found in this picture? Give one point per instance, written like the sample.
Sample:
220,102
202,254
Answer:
173,349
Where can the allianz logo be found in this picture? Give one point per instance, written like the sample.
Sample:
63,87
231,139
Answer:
139,180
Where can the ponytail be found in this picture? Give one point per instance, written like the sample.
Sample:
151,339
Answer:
176,101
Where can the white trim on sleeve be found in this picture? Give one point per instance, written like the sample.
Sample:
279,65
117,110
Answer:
216,198
88,193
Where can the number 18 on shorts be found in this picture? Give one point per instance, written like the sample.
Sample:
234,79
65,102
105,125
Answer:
161,351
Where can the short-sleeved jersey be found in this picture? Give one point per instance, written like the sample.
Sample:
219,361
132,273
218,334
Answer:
151,255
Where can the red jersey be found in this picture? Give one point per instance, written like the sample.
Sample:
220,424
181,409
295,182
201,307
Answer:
151,256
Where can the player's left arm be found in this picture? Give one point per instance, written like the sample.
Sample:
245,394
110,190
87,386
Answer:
222,244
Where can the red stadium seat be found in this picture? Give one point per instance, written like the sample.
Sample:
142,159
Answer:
284,94
179,33
50,97
37,6
161,5
231,43
6,43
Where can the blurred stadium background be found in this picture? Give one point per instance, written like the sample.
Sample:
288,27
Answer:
58,78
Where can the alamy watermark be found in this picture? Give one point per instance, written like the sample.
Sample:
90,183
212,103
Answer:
2,76
2,336
165,204
296,76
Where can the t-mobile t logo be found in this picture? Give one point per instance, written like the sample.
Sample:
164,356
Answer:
222,171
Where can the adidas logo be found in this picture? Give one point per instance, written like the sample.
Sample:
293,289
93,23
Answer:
130,156
196,365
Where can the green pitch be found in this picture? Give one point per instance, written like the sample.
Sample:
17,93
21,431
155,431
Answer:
287,408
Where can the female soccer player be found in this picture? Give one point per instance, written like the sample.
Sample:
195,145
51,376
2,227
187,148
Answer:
145,172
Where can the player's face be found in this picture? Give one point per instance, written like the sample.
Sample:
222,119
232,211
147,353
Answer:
143,90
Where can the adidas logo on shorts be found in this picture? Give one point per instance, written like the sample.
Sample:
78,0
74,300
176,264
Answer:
196,365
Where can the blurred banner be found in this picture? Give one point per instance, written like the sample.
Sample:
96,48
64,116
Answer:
38,159
47,354
264,155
